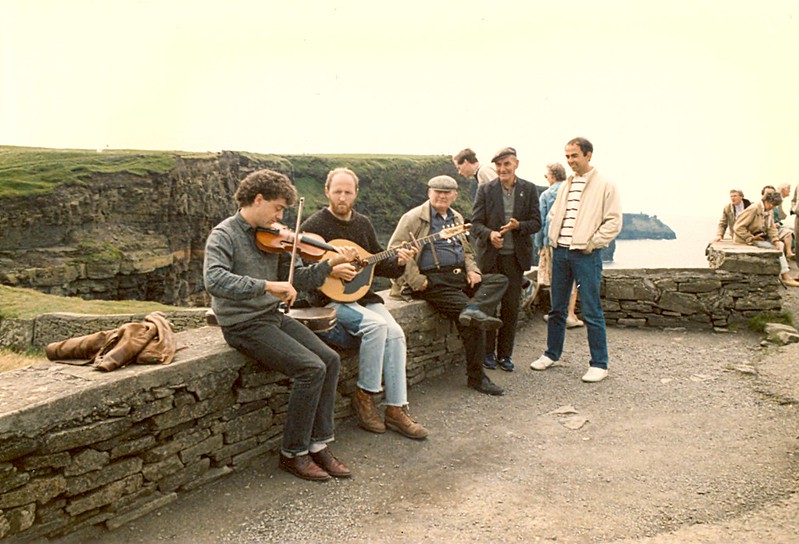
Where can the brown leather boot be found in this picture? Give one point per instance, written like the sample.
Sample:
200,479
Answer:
365,409
398,419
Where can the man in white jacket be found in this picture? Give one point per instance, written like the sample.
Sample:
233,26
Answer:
585,218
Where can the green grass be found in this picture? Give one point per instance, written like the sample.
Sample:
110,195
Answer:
758,322
26,170
98,252
28,303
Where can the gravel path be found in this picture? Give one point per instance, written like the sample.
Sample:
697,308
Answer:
694,437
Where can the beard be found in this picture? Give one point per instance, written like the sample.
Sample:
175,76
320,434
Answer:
341,210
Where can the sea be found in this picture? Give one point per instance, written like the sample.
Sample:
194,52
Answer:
686,251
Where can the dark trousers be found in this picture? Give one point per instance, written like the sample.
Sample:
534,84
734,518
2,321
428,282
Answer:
449,294
281,343
508,266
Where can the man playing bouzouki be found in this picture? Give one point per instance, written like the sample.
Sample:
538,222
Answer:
365,320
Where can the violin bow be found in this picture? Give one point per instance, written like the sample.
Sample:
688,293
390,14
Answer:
295,243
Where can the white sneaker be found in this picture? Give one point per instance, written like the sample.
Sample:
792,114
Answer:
595,374
572,322
542,363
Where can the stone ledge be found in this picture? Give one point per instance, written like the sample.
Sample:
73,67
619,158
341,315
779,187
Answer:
732,257
76,442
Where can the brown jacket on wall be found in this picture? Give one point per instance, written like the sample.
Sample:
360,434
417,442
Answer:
149,342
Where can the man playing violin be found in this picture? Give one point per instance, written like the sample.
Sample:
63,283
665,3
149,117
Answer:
246,291
446,275
382,340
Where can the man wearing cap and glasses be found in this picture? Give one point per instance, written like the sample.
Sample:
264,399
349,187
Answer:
506,215
445,274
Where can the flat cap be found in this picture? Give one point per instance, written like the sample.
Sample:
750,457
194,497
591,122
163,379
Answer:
443,183
502,153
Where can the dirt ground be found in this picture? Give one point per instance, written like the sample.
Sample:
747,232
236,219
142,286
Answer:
694,437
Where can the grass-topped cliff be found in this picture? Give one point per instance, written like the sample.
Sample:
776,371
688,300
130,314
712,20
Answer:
132,224
27,170
390,184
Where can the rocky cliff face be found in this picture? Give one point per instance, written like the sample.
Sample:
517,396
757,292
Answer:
640,226
123,236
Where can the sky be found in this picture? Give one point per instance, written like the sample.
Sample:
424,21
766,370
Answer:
682,103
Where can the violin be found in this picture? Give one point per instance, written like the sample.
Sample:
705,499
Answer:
278,238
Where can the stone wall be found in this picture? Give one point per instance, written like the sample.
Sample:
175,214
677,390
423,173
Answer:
82,447
23,334
742,282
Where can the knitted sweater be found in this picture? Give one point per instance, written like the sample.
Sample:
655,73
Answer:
358,229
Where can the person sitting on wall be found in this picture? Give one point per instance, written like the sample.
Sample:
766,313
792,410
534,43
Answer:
445,274
246,291
366,322
730,213
785,232
755,227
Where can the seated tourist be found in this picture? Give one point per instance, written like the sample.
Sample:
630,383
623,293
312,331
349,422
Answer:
784,230
730,213
755,227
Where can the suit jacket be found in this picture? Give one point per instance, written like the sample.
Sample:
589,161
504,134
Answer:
489,215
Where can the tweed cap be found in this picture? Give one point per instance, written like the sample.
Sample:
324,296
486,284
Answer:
502,153
443,183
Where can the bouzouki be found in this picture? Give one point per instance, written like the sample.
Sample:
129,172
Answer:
349,291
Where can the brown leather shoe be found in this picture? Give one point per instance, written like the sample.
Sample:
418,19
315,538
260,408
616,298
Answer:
303,467
330,464
365,409
398,419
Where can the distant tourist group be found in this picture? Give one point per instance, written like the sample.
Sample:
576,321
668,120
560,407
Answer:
477,285
764,224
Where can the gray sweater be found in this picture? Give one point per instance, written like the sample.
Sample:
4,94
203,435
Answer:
235,272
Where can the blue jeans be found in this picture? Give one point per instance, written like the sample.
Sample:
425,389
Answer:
568,266
281,343
383,347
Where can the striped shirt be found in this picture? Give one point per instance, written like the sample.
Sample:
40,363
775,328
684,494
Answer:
572,209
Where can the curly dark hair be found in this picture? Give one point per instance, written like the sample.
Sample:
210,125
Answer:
774,197
267,183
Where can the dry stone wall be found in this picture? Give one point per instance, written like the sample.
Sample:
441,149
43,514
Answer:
81,447
742,282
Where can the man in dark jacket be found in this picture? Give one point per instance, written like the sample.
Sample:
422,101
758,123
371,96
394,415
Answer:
505,217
